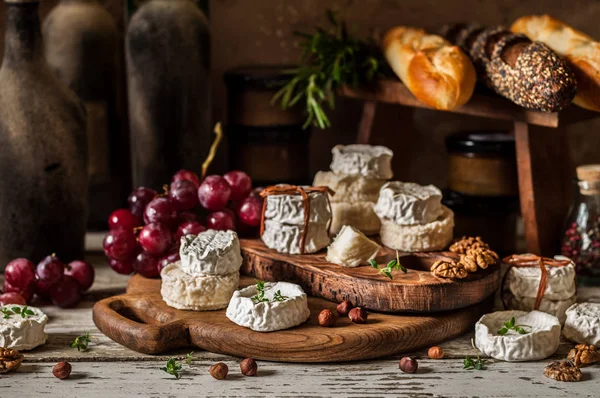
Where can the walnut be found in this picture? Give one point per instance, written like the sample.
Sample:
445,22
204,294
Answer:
449,269
563,371
469,262
478,257
584,354
9,360
461,246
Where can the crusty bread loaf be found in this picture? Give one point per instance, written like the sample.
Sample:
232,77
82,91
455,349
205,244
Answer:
581,51
439,74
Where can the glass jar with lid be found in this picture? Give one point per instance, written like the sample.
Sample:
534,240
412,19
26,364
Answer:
581,238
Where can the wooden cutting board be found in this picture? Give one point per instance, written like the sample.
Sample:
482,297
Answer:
141,321
416,291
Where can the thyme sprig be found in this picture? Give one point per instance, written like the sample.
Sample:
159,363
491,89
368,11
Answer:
260,297
188,358
472,363
23,311
172,367
390,267
511,325
81,342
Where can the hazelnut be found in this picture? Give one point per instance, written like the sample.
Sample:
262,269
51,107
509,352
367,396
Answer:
326,318
219,371
408,365
62,370
435,352
344,308
248,367
358,315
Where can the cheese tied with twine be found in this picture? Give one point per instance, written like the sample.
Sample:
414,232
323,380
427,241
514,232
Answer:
292,214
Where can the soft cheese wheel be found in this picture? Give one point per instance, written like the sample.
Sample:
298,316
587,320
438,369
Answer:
583,323
433,236
210,253
525,281
20,333
289,209
269,315
349,189
199,293
287,238
407,203
362,160
557,308
351,248
541,341
360,215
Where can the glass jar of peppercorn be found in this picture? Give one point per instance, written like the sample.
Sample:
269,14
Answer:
581,239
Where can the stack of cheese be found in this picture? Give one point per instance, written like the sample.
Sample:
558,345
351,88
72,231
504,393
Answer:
413,218
357,173
207,274
522,285
284,222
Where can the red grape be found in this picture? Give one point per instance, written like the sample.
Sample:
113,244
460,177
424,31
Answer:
187,175
167,259
26,293
120,244
42,289
139,199
250,211
121,267
183,195
240,183
20,273
50,269
220,220
146,265
123,218
214,193
67,293
12,298
186,216
156,238
83,272
191,227
160,210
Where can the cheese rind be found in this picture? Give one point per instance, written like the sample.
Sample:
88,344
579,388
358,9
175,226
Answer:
557,308
287,238
525,281
541,341
360,215
407,203
362,160
199,293
20,333
583,323
289,209
210,253
351,248
349,189
272,315
433,236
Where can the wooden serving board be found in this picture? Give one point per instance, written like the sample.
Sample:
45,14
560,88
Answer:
141,321
416,291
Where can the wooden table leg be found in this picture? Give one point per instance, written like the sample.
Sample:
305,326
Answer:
544,182
366,122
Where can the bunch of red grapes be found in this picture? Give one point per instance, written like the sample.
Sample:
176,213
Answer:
51,279
145,237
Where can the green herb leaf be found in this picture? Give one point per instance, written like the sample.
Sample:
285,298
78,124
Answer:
279,297
172,368
510,325
189,357
81,342
374,264
16,310
503,331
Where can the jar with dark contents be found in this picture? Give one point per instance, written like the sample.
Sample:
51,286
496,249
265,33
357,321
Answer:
581,239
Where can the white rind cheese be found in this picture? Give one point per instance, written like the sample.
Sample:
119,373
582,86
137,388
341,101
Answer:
407,203
362,160
583,323
418,238
360,215
287,238
289,209
351,248
199,293
557,308
525,281
349,189
541,342
20,333
210,253
272,315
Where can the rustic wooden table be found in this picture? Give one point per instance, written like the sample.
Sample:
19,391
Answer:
108,369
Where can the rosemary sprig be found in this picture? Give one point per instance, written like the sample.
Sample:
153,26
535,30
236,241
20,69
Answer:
172,368
390,267
81,342
260,297
510,325
23,311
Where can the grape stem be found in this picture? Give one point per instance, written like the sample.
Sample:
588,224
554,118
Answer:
213,150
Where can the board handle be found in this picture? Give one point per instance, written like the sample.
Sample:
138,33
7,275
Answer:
125,319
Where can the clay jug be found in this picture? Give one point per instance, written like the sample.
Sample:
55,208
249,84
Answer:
81,46
167,51
43,179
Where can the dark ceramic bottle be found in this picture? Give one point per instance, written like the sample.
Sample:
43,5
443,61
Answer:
167,50
43,178
81,46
